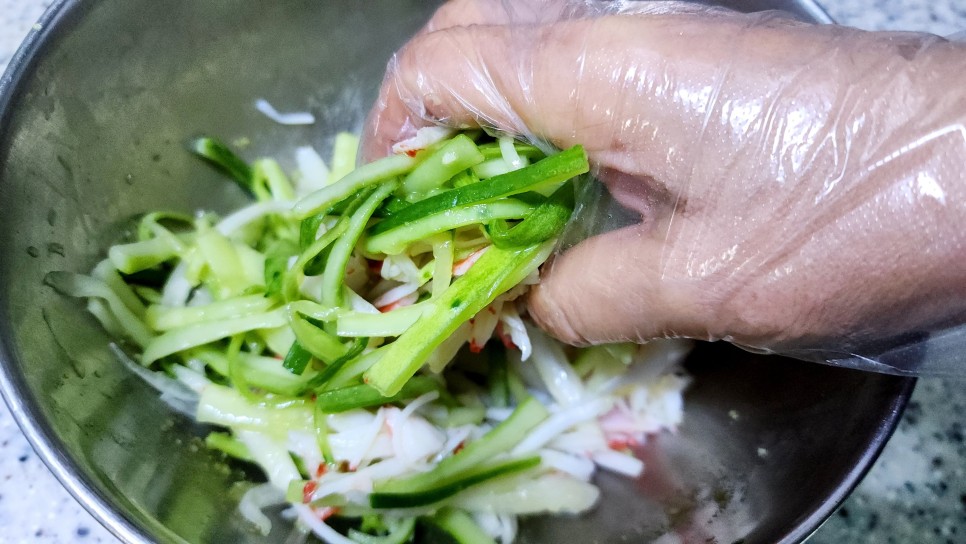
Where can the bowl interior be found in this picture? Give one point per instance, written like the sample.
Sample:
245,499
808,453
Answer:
93,119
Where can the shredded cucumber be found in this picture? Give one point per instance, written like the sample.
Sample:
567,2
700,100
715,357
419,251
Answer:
332,338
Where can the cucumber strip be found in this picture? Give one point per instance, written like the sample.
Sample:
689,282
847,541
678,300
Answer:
498,376
492,168
447,488
277,341
444,353
553,493
323,377
313,260
316,341
296,359
106,273
235,372
267,172
160,232
364,176
275,267
464,178
252,273
547,221
314,310
460,526
164,318
456,155
224,406
496,271
138,256
443,256
492,150
320,419
394,241
147,227
192,336
363,396
225,160
228,445
352,370
290,285
391,323
553,169
308,229
266,373
77,285
333,277
500,439
224,264
399,533
277,257
344,150
99,309
392,205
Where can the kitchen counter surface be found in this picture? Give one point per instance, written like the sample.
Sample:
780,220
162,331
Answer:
916,492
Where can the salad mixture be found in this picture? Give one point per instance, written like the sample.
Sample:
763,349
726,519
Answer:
360,334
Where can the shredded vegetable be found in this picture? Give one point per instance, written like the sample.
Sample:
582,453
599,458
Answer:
361,335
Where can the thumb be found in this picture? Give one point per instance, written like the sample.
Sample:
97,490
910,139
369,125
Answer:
613,287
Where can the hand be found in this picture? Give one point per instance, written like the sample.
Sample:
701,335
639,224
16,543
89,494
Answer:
800,187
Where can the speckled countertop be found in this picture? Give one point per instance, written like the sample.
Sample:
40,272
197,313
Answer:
916,492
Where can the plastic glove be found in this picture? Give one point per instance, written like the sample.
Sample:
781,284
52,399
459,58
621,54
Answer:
800,187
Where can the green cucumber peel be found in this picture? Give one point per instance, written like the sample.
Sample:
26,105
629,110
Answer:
261,371
224,160
313,258
322,345
290,284
333,276
547,221
363,396
268,173
296,359
360,178
392,205
553,169
275,267
323,377
394,241
495,272
502,438
445,489
308,228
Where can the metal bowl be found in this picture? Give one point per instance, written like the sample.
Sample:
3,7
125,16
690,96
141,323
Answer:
94,111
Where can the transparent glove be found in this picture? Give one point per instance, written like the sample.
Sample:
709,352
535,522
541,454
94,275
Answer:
797,188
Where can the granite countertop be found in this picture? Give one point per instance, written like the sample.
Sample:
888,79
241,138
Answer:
916,492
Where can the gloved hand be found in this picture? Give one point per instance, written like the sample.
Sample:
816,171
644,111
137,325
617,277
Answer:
801,188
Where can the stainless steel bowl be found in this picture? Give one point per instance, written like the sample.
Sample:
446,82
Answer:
94,111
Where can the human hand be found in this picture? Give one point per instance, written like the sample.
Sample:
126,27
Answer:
800,187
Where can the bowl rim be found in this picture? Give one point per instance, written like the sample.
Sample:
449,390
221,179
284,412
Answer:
28,415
